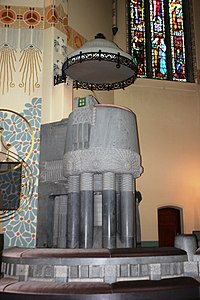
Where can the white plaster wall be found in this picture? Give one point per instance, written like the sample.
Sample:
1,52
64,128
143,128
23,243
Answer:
169,124
57,100
89,17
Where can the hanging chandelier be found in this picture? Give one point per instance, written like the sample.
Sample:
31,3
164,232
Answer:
100,65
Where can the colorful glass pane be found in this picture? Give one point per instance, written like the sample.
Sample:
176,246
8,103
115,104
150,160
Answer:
177,39
137,32
159,65
163,38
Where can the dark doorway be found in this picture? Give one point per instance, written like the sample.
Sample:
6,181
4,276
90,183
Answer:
169,225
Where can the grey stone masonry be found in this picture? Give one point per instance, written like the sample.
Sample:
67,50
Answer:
60,265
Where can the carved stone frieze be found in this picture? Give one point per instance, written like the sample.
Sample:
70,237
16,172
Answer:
100,160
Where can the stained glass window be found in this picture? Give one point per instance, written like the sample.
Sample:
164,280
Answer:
137,27
160,38
177,39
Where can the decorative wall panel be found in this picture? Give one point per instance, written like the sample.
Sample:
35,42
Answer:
20,227
26,33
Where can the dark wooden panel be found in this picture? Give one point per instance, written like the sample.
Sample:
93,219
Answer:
168,226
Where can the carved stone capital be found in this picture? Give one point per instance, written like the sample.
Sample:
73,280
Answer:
101,160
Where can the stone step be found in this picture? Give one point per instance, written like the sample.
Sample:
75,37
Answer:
181,288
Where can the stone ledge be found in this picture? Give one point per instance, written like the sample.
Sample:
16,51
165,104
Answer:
99,265
90,253
182,288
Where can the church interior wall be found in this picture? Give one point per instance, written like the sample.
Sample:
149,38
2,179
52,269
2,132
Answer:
167,115
168,124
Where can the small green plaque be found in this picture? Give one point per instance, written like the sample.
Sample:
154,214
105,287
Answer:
82,102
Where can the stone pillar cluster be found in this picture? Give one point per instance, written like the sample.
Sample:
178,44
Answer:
112,152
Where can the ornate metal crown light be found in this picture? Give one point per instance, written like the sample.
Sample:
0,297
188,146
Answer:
100,65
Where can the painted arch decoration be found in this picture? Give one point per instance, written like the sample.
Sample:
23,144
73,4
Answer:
19,226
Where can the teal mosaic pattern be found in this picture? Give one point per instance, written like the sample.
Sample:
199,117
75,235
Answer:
10,185
20,227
